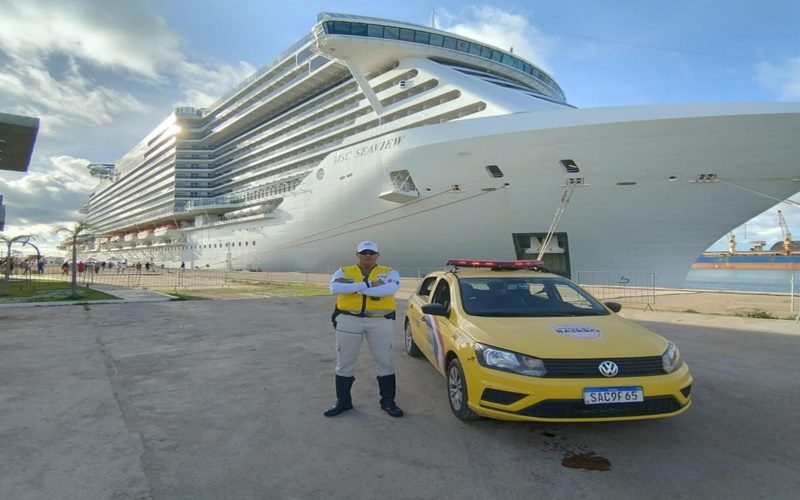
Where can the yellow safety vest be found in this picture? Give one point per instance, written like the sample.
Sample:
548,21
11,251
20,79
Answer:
357,303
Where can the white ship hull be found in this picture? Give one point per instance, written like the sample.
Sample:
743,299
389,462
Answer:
656,221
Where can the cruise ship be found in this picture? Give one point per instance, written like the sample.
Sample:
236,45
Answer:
437,147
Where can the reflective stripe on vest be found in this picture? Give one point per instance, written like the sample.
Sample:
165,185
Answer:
355,302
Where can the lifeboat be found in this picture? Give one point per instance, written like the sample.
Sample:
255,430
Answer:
116,240
130,239
145,235
168,232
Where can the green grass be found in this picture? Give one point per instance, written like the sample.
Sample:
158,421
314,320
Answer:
48,291
243,289
756,313
294,289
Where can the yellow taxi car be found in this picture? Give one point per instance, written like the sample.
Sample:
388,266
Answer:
517,343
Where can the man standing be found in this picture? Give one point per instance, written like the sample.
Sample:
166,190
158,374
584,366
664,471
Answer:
365,307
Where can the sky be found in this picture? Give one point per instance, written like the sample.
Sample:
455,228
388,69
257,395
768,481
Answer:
101,75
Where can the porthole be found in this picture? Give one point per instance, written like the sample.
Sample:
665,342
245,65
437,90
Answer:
320,174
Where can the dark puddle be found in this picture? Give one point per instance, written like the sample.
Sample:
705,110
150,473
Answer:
588,461
575,457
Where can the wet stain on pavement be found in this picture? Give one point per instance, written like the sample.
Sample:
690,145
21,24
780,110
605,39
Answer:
588,461
575,456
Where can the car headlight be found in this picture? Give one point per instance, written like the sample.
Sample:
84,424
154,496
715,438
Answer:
492,357
671,359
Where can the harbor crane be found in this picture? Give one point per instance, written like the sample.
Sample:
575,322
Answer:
787,236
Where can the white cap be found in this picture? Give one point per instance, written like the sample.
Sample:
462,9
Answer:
367,245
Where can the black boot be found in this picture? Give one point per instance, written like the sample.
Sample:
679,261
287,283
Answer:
387,385
343,401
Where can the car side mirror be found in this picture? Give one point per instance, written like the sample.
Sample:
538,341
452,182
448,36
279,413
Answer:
435,309
614,306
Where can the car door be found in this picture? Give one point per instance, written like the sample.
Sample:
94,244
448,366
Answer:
438,329
414,310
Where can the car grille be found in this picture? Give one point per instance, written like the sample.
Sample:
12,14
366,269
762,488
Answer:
589,368
577,409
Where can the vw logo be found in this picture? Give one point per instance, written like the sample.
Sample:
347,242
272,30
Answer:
608,368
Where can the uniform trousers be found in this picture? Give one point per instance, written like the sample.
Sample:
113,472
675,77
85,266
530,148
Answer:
350,332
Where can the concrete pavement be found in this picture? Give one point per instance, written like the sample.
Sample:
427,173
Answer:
224,399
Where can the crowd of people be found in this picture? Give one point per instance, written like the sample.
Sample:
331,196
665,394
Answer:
110,267
24,266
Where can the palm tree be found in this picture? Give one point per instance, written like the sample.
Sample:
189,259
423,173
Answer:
77,229
7,271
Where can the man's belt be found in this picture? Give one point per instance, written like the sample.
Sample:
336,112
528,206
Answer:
391,315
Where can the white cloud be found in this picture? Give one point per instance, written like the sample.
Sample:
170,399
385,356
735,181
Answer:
122,35
92,62
202,84
65,181
72,98
39,202
501,29
783,78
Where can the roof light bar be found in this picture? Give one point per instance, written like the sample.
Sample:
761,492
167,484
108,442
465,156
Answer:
492,264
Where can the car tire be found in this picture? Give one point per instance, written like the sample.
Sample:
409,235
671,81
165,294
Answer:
457,392
411,346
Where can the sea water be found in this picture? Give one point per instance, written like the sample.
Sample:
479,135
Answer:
745,280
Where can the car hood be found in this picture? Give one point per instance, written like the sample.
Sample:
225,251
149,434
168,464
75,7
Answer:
567,337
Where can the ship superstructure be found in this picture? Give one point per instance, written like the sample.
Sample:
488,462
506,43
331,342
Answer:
439,147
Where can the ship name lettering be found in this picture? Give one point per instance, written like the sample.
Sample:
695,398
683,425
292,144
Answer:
368,150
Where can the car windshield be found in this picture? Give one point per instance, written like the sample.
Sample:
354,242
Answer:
526,296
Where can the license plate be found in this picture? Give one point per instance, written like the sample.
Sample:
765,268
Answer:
606,395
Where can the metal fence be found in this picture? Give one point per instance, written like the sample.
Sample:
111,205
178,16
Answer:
178,279
637,288
631,288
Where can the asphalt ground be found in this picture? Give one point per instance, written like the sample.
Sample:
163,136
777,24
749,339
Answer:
224,399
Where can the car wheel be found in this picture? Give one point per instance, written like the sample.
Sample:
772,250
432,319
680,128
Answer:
411,346
457,391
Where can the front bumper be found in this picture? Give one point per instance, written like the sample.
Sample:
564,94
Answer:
508,396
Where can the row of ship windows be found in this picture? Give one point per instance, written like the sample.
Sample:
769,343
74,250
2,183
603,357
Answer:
315,117
248,138
326,142
258,144
323,147
324,113
214,245
424,37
